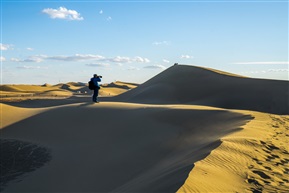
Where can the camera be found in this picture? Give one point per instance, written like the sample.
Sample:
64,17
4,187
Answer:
99,76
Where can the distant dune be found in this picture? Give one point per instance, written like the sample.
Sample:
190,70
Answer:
21,92
181,84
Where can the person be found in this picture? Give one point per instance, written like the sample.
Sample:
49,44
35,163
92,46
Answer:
95,79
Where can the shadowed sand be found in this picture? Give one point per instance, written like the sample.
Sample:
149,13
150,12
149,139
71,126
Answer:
165,146
183,84
96,148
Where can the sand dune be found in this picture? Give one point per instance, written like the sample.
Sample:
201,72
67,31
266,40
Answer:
182,84
23,92
73,145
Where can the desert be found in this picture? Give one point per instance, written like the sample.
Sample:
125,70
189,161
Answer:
187,129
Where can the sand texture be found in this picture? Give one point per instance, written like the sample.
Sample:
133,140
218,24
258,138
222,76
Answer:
187,129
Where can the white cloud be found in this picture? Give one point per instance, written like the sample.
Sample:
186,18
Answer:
257,63
30,49
97,65
36,58
132,68
62,13
2,59
15,60
100,12
83,57
186,57
109,18
140,59
166,61
267,71
121,59
166,43
278,70
77,57
32,67
156,67
5,47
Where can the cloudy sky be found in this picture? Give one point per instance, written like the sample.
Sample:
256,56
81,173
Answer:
133,40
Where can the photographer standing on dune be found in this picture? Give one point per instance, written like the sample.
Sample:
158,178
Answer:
95,79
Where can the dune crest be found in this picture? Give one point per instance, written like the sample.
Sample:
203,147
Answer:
181,84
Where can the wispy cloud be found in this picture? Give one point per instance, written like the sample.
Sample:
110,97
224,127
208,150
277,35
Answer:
120,59
62,13
258,63
77,57
186,57
2,59
158,43
97,65
140,59
278,70
156,67
30,49
166,61
84,57
15,60
31,67
109,18
267,71
5,47
100,12
36,58
132,68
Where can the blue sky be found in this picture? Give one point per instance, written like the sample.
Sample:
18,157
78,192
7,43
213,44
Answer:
62,41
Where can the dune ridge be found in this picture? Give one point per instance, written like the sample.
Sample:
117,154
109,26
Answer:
182,84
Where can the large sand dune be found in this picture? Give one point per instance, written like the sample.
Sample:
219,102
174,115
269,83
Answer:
73,145
182,84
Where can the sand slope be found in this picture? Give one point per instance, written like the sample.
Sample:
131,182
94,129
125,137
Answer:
145,148
183,84
256,159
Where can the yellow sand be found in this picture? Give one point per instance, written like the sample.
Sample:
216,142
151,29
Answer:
20,91
11,114
255,158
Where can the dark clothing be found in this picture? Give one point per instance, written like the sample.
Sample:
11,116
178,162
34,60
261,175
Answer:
95,94
95,80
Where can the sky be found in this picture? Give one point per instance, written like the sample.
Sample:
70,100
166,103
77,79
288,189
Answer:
133,40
